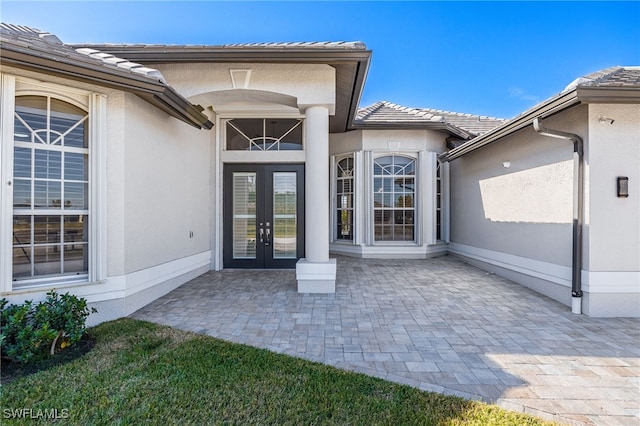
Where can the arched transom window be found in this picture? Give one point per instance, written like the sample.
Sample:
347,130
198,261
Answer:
394,198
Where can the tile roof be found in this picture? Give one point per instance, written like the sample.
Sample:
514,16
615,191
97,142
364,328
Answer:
609,77
389,113
48,44
611,85
31,48
307,45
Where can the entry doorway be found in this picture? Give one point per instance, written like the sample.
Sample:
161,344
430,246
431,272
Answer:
263,215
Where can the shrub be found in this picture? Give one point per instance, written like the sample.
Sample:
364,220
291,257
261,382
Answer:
29,333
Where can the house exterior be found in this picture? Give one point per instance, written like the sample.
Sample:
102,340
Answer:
128,170
516,196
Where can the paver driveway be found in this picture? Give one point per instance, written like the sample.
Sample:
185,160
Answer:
437,324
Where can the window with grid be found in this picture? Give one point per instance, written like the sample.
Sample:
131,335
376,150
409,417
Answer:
50,190
394,198
345,198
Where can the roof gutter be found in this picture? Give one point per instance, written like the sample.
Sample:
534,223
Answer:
156,93
578,208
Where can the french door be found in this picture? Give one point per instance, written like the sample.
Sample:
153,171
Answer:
263,215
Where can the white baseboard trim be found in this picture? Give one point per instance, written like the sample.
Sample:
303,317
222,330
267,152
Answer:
611,281
557,274
388,251
594,282
134,282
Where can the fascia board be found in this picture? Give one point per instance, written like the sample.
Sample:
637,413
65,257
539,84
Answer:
182,54
612,95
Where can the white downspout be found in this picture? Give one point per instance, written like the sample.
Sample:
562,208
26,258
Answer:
578,208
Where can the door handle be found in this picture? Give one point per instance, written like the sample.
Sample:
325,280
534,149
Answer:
268,241
261,231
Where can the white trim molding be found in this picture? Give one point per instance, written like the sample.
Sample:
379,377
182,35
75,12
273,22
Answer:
596,282
551,272
7,97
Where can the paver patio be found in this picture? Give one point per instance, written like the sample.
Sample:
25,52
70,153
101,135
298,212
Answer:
438,324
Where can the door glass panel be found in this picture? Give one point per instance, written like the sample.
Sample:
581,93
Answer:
284,215
244,215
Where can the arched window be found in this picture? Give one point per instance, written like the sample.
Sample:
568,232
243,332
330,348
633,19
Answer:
345,198
394,198
50,189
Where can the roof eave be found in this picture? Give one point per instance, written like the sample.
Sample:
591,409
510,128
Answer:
156,93
406,125
204,54
614,95
552,106
354,77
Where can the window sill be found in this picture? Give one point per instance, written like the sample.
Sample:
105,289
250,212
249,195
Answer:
48,286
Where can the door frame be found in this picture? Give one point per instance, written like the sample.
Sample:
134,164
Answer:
264,180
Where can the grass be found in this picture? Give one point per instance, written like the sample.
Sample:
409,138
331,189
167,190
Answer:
139,372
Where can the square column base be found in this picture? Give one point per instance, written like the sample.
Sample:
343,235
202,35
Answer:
319,277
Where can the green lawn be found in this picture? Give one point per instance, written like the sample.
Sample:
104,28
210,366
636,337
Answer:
140,372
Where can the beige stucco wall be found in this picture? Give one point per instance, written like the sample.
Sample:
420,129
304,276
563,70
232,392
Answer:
385,140
310,84
524,210
157,192
166,187
614,223
340,143
404,140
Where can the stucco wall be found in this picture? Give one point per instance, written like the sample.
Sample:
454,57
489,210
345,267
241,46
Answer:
614,223
526,209
166,187
340,143
404,140
311,84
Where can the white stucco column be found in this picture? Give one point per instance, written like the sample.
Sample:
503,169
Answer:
316,273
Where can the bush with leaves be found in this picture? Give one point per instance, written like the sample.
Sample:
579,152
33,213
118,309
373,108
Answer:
30,333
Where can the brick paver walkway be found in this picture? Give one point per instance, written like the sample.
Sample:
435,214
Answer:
439,325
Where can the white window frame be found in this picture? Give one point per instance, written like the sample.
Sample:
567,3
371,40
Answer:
95,104
418,198
276,142
335,159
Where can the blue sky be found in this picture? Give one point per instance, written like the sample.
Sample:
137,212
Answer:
487,58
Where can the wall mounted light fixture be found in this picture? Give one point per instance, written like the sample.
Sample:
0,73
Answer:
506,164
622,186
606,120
